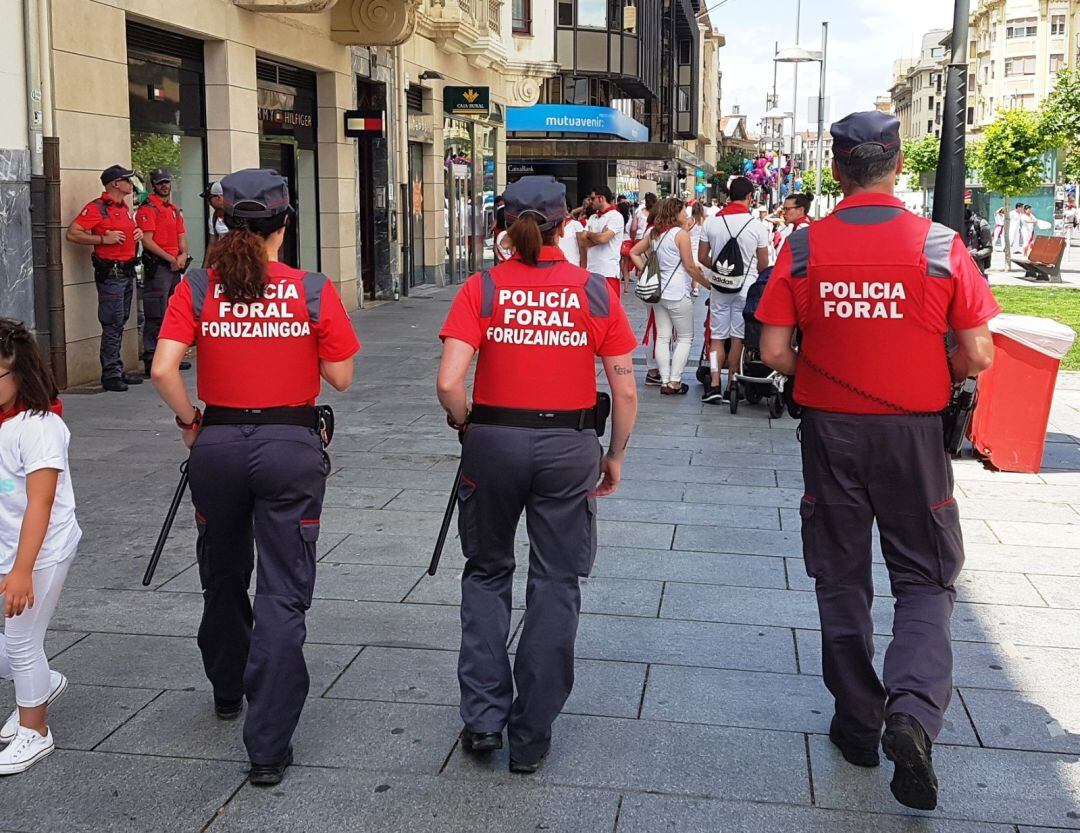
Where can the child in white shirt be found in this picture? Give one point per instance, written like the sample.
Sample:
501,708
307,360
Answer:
38,537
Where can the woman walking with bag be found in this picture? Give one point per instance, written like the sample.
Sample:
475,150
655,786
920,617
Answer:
672,263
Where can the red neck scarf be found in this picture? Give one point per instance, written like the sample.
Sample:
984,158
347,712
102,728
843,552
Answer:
735,208
55,407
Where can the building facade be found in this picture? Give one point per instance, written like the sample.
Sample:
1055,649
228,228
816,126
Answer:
918,88
1016,49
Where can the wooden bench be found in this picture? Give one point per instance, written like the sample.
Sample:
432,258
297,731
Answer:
1043,263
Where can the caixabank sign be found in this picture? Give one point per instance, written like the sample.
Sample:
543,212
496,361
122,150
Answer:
575,118
467,101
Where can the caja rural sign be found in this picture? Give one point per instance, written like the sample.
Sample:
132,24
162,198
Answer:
467,101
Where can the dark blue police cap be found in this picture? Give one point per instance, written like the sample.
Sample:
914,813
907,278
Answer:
159,175
255,193
867,128
541,196
115,172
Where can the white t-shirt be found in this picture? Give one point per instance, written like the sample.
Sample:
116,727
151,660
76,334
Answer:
29,443
711,211
604,259
503,249
752,236
569,242
217,226
675,281
642,215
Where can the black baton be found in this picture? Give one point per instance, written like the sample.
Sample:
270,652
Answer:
170,516
447,517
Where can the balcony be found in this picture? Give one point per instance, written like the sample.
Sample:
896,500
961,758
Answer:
472,28
354,22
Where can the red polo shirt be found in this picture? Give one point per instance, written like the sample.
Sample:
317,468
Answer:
102,215
164,220
538,330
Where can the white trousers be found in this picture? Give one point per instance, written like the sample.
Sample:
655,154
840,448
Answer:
22,644
677,316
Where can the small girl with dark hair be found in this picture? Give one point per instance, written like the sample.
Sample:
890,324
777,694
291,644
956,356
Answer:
38,537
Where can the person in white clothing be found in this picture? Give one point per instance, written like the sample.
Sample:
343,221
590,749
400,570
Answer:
696,227
712,209
670,240
38,537
603,237
572,227
639,223
726,308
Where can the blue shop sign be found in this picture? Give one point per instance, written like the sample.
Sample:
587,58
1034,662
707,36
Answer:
574,118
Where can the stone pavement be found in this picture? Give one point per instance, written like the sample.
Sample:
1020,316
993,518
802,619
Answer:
699,704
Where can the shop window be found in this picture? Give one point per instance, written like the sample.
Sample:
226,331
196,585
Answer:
522,17
166,100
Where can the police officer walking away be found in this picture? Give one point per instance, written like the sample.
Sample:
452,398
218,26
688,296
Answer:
265,334
873,288
165,257
537,324
108,225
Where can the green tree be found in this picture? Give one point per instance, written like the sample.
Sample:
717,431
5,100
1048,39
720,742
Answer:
921,157
154,150
728,165
829,186
1010,160
1059,116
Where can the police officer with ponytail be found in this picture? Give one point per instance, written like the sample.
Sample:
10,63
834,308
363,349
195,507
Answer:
530,444
265,334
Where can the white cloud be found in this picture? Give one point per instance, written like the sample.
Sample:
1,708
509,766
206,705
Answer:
865,37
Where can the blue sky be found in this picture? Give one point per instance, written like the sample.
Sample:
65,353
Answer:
865,37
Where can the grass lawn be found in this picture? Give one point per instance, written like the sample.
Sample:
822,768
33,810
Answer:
1046,302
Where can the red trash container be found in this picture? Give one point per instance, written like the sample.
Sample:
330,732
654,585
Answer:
1008,427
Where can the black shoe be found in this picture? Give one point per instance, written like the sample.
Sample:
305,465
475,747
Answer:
117,385
522,768
653,379
481,741
907,745
853,753
147,367
228,709
269,775
712,395
185,365
132,379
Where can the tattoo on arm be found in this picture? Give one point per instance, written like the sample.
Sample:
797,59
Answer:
623,371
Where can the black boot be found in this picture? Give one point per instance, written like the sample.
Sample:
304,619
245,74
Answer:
853,752
481,741
269,775
907,745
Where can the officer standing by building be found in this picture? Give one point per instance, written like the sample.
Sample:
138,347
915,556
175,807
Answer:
266,333
108,225
529,444
165,257
873,288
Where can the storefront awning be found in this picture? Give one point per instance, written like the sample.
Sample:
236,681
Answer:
575,118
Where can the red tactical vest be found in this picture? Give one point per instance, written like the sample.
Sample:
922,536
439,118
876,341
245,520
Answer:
865,316
540,328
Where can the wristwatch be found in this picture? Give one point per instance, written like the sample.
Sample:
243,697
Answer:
196,421
457,426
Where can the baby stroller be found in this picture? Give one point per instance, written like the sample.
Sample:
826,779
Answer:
756,380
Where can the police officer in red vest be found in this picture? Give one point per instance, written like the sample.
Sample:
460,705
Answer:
108,225
874,288
165,256
266,333
536,325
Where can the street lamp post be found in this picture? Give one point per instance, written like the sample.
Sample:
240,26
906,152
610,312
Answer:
798,55
949,182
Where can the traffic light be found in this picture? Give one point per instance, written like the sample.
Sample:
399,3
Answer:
680,172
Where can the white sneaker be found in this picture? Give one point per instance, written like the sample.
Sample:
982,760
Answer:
11,726
26,750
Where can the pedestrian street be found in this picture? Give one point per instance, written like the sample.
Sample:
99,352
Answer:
698,704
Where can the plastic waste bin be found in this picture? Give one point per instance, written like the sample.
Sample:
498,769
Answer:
1009,424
